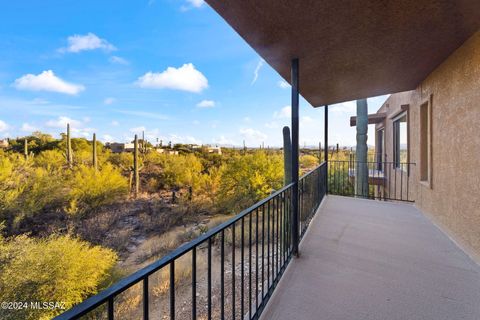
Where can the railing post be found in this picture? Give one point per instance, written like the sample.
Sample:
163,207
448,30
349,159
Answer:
325,143
295,124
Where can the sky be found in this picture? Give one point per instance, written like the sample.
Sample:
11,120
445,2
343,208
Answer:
172,68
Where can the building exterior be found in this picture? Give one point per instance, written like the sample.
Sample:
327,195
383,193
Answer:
4,143
116,147
436,127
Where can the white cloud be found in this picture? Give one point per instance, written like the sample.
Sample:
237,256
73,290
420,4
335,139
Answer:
272,125
109,100
119,60
247,119
90,41
223,140
196,3
206,104
138,130
253,135
26,127
192,4
4,126
62,121
114,123
283,84
285,112
47,81
185,78
107,138
145,114
345,107
257,70
306,119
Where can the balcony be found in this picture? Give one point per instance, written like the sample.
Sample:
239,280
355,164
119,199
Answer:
359,259
364,259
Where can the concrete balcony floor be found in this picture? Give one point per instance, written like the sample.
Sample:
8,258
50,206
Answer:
365,259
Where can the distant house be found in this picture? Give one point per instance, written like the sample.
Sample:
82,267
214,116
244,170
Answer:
216,150
4,143
116,147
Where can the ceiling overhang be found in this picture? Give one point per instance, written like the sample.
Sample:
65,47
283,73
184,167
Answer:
353,49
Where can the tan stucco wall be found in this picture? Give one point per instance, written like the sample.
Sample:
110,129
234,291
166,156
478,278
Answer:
453,199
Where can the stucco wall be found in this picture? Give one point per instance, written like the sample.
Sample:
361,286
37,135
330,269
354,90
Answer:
453,198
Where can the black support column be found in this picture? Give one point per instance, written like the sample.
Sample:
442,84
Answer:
325,146
295,124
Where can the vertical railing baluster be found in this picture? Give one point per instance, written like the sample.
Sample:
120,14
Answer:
172,290
278,236
194,283
209,279
145,299
263,252
256,260
242,272
250,267
111,315
268,246
222,275
233,272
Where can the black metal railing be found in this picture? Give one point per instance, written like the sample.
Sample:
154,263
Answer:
386,180
229,272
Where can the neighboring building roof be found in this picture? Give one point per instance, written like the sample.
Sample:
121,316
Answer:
372,118
353,49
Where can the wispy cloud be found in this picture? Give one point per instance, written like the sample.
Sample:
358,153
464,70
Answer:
89,41
26,127
206,104
253,135
62,121
345,107
283,84
119,60
185,78
47,81
109,100
4,126
192,4
257,70
284,113
145,114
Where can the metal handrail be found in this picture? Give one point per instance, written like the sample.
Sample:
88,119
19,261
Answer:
107,295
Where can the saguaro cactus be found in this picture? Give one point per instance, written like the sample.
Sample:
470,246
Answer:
69,147
94,152
361,185
25,149
320,152
136,168
287,155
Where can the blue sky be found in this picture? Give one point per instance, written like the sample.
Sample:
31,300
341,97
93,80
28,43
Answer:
173,68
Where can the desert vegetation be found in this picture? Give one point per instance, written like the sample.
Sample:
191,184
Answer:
76,217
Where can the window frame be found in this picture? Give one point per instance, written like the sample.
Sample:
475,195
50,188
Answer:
425,178
396,139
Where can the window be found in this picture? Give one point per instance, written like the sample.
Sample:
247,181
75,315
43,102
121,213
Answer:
425,142
379,151
400,141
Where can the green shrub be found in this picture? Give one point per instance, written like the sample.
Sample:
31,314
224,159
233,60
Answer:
55,269
90,189
248,179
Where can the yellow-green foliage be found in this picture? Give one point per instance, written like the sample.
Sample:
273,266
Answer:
90,189
26,190
50,159
308,161
247,179
180,170
54,269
